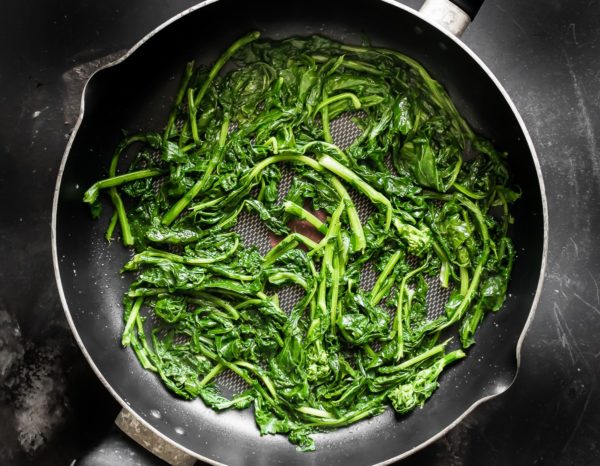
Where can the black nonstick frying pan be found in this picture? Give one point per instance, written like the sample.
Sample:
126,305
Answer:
136,94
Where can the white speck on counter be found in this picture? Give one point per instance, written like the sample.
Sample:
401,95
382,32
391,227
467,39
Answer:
37,113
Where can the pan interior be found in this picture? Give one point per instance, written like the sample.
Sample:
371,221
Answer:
137,95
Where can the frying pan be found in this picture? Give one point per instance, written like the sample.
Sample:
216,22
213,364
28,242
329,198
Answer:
137,95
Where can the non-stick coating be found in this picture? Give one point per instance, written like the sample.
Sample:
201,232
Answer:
137,95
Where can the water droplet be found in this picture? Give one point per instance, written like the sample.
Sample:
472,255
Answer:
155,413
179,430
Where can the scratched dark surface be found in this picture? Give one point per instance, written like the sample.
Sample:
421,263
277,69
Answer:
546,53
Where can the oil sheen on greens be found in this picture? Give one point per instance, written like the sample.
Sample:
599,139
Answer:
204,303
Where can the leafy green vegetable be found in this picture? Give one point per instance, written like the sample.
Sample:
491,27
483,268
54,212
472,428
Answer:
343,352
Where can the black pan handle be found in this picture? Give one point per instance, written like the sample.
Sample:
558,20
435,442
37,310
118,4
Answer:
130,443
116,448
452,15
470,7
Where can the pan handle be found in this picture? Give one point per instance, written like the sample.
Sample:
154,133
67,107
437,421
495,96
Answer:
133,444
452,15
116,448
470,7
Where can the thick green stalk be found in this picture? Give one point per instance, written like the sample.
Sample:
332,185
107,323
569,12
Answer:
304,214
332,231
190,260
376,296
345,95
91,194
129,325
218,302
192,116
351,64
127,237
212,374
334,293
182,203
325,120
415,360
111,226
359,243
348,175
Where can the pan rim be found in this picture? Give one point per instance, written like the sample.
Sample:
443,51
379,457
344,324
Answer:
535,300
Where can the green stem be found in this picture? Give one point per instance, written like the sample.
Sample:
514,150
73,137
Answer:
351,64
376,296
332,231
266,380
415,360
126,235
464,280
325,120
345,95
212,374
145,354
285,245
192,116
217,302
223,59
206,204
315,412
190,260
111,226
335,286
133,314
401,313
471,291
91,194
345,173
445,269
303,214
287,277
399,329
359,242
469,193
182,203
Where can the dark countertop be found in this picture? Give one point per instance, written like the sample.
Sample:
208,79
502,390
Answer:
546,53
